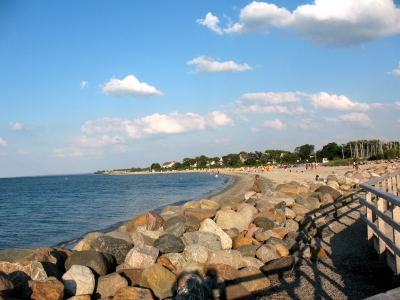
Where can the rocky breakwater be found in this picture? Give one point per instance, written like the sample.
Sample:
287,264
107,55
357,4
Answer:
202,250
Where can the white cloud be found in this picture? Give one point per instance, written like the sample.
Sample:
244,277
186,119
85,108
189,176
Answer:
173,123
207,65
307,125
397,105
3,142
94,142
395,72
271,98
358,119
324,101
274,124
84,84
325,22
129,86
211,22
221,141
78,152
255,129
17,126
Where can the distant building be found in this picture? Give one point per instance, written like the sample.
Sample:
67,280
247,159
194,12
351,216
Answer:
169,164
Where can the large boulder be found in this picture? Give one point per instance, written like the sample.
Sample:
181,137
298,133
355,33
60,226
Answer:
79,280
133,293
207,239
142,256
253,279
116,247
191,223
209,225
16,255
168,243
279,267
195,252
231,258
293,188
231,219
200,213
108,285
160,280
331,191
100,263
50,289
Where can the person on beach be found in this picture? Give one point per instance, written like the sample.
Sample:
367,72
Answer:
258,185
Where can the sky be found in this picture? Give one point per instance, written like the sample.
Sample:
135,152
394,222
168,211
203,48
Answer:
103,85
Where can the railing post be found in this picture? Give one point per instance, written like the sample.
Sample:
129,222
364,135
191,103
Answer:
370,231
384,188
396,240
381,227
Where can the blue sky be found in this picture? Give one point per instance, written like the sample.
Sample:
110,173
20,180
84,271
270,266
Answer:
89,85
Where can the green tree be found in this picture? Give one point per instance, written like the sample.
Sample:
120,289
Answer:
187,162
234,160
251,161
155,167
391,153
304,151
330,151
290,158
201,161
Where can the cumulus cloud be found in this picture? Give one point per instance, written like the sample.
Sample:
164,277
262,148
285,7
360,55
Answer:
173,123
130,86
325,22
211,22
307,125
274,124
3,142
207,65
395,72
84,84
17,126
324,101
358,119
269,103
397,105
94,142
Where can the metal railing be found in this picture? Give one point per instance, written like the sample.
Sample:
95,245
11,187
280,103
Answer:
382,203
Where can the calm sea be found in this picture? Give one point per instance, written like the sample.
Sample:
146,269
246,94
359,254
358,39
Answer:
59,210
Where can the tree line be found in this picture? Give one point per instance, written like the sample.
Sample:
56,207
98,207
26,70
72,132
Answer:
353,150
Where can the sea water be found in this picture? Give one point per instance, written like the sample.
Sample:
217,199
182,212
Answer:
45,211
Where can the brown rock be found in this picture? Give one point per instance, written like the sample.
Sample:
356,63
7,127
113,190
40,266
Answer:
50,289
300,210
281,231
165,262
237,291
279,268
239,206
266,214
253,279
108,285
292,188
263,235
132,276
6,285
131,225
160,280
281,250
251,230
242,241
133,293
232,233
200,213
226,272
318,252
153,221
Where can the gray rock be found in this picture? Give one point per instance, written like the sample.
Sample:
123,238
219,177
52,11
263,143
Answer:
116,247
266,253
264,223
209,225
160,280
231,258
247,250
176,259
168,243
16,255
197,253
100,263
178,229
191,223
207,239
335,194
